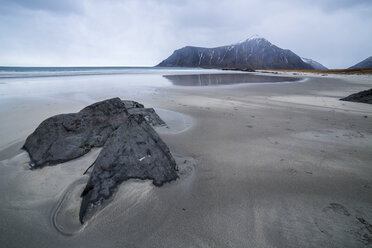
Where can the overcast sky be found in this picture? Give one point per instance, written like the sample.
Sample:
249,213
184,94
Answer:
336,33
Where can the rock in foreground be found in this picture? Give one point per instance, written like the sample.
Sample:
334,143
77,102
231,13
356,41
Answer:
67,136
131,147
363,96
134,150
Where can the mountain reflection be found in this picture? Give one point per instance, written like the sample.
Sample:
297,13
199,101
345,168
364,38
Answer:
224,79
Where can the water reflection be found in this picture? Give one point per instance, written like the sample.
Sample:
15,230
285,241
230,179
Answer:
224,79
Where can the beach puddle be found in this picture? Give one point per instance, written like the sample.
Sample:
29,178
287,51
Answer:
175,122
217,79
65,215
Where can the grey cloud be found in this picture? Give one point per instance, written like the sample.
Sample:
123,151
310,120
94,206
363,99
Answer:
341,4
58,6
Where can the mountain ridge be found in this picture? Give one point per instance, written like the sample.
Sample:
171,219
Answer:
252,53
367,63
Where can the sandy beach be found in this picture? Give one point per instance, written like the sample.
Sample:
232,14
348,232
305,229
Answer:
280,164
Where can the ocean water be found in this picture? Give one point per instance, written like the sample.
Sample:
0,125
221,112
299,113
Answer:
175,76
27,72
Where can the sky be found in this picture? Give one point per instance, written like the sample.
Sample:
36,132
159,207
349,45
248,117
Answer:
336,33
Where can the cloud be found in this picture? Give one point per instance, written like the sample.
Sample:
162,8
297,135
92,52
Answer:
57,6
129,32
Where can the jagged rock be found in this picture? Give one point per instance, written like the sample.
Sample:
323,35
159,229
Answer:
149,114
363,96
131,147
132,104
135,108
134,150
64,137
67,136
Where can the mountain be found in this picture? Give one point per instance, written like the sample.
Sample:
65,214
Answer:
367,63
314,64
253,53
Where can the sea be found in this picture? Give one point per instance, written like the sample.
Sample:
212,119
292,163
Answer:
175,76
27,72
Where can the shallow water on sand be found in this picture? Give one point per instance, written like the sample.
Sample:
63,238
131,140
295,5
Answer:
217,79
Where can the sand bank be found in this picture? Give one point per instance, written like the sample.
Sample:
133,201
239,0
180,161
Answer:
272,165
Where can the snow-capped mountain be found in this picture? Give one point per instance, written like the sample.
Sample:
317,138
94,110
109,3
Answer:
367,63
314,64
253,53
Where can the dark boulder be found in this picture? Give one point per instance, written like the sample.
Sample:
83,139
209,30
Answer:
134,150
363,97
131,147
67,136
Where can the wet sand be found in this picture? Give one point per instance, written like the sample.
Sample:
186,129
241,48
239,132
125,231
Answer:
271,165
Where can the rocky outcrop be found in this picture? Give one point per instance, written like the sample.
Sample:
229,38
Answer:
134,150
68,136
363,97
131,147
65,137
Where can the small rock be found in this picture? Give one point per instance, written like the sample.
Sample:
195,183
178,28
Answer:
149,114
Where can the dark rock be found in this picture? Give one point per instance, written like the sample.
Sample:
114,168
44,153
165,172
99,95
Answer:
64,137
134,150
149,114
131,147
363,97
135,108
132,104
67,136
